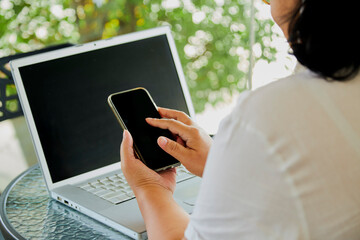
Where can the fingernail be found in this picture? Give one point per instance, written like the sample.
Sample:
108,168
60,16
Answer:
162,141
124,134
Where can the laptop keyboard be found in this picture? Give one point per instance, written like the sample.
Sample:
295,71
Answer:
115,188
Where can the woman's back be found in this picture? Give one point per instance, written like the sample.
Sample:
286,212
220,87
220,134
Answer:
285,164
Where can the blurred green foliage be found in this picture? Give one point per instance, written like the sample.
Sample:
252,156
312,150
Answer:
212,37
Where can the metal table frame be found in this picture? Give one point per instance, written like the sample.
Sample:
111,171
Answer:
27,211
5,226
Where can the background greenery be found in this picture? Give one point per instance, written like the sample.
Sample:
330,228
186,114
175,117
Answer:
212,37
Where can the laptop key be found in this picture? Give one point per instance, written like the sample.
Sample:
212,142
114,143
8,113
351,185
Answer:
84,185
118,188
111,187
111,195
131,194
102,192
95,190
87,187
97,184
119,199
106,181
183,176
114,178
91,183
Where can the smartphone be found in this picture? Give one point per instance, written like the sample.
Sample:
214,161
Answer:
131,107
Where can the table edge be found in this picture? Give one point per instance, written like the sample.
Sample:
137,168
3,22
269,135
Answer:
3,199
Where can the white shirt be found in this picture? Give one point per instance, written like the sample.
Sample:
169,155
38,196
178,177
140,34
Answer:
285,164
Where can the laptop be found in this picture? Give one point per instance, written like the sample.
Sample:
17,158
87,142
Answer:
76,137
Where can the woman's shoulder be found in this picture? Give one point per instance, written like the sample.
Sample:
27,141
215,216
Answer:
286,88
292,99
277,96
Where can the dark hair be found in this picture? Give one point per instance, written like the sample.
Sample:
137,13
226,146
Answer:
324,37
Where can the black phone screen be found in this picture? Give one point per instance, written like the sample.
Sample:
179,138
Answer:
133,107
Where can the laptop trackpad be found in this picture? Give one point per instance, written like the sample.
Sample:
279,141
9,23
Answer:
186,193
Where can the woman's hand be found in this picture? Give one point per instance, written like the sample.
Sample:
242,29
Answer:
138,175
192,143
164,218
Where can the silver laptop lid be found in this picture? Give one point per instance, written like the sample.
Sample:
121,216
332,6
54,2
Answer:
63,94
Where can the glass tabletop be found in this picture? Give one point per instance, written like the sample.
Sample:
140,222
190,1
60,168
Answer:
27,212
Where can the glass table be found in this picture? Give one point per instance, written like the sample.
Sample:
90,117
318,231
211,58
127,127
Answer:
27,212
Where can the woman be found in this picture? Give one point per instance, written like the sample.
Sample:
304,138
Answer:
285,163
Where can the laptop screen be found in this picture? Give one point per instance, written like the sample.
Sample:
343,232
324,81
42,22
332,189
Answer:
68,100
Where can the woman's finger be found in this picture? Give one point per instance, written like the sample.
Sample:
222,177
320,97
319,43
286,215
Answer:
174,114
176,127
174,149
